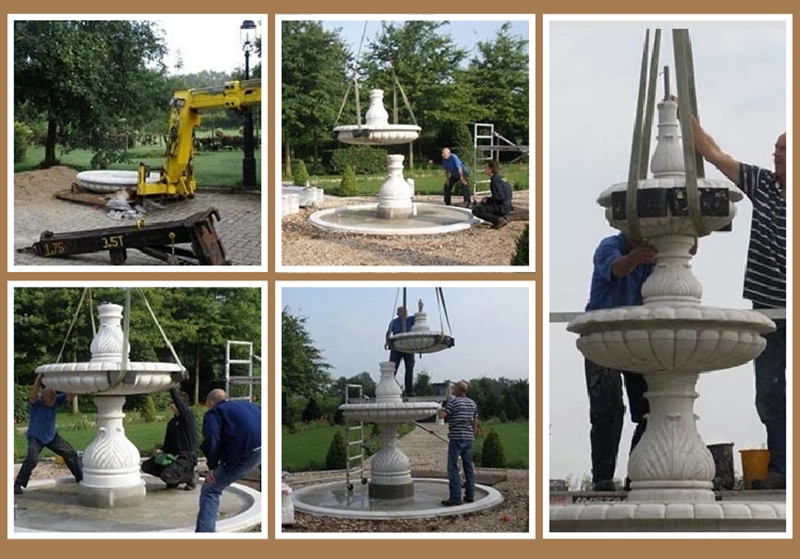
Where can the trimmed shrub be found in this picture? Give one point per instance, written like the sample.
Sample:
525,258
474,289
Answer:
149,410
522,254
348,186
22,139
300,173
364,160
336,459
493,455
21,402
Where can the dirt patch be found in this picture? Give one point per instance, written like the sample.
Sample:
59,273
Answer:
33,187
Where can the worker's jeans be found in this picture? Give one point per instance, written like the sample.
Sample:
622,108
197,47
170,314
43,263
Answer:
607,414
60,447
771,396
448,190
224,475
408,360
460,448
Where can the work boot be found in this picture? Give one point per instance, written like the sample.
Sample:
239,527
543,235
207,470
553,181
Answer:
451,503
17,489
190,485
502,222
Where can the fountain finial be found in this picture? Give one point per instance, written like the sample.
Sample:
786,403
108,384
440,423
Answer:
420,304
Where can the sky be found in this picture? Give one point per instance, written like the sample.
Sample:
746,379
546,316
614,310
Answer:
465,33
490,326
590,99
207,42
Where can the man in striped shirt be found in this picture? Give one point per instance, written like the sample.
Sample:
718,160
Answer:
461,414
764,285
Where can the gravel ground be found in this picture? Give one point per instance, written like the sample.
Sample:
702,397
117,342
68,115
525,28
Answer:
303,244
427,454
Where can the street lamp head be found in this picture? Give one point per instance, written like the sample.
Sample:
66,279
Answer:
247,34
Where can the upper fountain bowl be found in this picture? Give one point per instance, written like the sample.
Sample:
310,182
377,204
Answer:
652,339
98,377
376,134
663,205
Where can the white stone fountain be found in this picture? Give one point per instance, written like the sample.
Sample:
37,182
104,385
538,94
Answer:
392,493
111,475
395,213
671,339
391,473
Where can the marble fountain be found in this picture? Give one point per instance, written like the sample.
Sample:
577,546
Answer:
671,339
114,495
391,492
395,212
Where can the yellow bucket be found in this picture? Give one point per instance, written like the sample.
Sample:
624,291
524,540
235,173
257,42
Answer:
754,465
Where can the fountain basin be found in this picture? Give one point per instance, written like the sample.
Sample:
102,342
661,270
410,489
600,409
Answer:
333,499
421,342
111,181
664,339
427,219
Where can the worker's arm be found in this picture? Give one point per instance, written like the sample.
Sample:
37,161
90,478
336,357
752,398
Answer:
711,152
34,393
178,401
626,263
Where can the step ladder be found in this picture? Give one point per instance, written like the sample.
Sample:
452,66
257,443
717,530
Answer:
248,380
483,150
354,439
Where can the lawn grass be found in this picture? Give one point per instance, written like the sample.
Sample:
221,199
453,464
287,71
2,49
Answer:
515,438
426,181
212,168
307,449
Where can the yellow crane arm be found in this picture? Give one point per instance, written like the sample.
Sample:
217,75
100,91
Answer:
177,175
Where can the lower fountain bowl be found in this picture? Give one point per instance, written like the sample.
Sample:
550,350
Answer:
667,339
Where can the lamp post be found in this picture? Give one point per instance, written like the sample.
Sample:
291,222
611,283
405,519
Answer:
247,36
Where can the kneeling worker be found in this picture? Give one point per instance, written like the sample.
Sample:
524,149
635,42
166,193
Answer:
174,462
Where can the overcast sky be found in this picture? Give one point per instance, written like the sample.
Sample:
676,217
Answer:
206,42
740,70
490,326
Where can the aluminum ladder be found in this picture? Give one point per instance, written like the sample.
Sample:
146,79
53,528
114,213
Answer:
354,462
249,380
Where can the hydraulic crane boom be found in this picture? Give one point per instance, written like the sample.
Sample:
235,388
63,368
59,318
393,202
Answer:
177,176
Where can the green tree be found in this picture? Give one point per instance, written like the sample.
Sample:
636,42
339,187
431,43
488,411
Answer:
522,254
422,384
313,80
425,62
499,77
84,77
304,372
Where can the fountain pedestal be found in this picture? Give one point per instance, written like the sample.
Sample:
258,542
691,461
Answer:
391,474
111,476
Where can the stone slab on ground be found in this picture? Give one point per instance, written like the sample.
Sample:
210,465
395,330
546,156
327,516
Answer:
37,210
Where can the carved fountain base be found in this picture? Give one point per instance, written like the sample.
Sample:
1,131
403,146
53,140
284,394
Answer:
111,475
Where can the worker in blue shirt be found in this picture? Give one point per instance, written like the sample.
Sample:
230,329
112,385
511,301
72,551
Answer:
456,173
232,447
42,434
621,266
